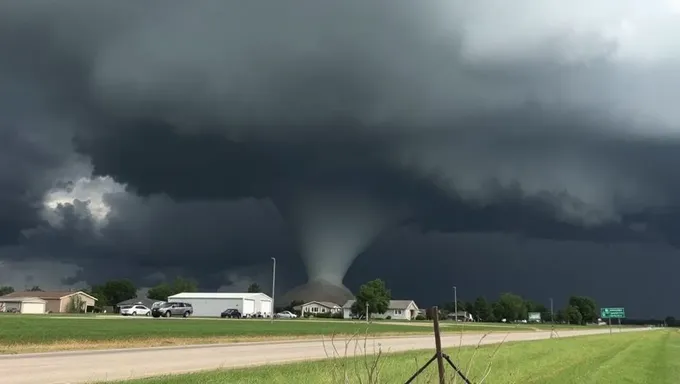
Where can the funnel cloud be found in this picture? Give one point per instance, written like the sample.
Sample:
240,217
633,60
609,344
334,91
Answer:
451,138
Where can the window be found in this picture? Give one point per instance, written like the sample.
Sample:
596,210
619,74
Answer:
397,312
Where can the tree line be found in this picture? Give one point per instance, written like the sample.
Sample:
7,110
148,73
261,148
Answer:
512,307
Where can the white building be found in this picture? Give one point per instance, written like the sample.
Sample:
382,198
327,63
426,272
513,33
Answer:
397,310
211,304
316,307
28,305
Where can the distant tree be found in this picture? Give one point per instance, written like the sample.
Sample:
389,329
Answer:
163,290
483,309
254,288
6,290
113,292
512,307
160,292
573,315
586,306
35,288
376,295
561,316
671,321
76,305
181,284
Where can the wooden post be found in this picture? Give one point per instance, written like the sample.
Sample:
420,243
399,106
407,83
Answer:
438,344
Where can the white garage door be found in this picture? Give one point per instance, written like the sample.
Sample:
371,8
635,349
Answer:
266,306
33,308
248,306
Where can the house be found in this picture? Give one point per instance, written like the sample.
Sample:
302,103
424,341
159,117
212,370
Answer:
316,307
460,316
397,310
145,301
58,301
26,305
211,304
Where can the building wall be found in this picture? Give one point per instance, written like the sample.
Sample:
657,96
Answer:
65,301
53,305
211,307
397,314
316,308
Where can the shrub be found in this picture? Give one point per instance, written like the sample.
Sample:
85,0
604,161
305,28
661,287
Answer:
388,318
420,317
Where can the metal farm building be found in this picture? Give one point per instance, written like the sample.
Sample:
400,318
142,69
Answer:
211,304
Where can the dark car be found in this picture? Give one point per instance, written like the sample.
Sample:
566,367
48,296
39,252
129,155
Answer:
231,313
173,309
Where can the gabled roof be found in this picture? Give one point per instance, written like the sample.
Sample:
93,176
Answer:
218,295
5,299
326,304
48,295
394,304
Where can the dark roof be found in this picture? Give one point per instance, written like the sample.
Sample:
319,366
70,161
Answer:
138,300
46,295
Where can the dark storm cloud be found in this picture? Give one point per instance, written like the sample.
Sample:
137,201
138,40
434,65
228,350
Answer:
223,105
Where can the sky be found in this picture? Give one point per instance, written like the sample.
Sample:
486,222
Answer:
526,147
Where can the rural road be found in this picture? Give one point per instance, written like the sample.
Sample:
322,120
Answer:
93,366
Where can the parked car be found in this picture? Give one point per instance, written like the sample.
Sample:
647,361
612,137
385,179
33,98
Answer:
231,313
134,310
286,315
173,309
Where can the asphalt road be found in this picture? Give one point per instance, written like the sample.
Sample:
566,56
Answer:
93,366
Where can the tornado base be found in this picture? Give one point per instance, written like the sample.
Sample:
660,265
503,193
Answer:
318,290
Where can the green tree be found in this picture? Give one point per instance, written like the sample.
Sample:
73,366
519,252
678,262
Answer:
6,290
671,321
586,306
573,315
181,284
160,292
483,309
163,290
76,305
35,288
376,295
561,316
113,292
512,307
254,288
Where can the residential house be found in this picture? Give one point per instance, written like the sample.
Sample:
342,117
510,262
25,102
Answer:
460,316
317,307
397,310
58,301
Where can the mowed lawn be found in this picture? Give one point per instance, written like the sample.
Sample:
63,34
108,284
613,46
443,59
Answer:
74,333
634,358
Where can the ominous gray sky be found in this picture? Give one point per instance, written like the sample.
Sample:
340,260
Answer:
533,144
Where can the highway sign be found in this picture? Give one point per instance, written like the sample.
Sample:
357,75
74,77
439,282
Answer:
612,313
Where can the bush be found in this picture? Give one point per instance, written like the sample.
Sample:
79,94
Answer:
338,315
323,315
420,317
388,318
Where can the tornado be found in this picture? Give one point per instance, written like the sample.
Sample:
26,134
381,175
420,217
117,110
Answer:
332,228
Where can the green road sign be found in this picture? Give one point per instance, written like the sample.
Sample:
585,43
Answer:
612,313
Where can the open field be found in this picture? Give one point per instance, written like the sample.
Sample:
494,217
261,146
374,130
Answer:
136,363
45,333
636,357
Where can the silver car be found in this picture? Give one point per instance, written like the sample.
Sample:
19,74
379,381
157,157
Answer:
173,309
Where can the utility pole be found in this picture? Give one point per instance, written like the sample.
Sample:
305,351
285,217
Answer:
455,302
366,312
273,287
552,319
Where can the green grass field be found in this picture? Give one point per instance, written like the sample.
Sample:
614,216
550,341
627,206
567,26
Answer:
634,358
